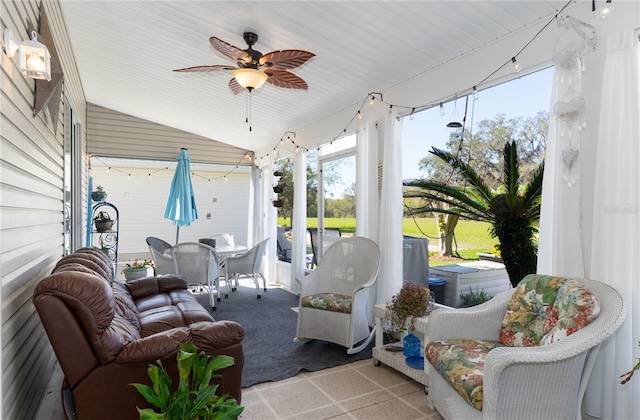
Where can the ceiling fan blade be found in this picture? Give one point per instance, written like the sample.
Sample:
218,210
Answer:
202,69
223,47
285,79
286,59
235,87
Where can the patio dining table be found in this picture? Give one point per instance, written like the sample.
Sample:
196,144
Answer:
223,252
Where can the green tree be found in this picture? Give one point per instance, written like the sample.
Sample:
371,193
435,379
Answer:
286,180
511,212
483,149
344,206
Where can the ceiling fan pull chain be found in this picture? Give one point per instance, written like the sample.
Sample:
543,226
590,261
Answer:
249,111
246,107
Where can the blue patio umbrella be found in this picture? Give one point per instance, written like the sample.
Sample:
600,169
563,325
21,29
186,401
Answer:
181,204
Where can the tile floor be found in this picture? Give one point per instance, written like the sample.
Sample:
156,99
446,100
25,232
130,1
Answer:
356,391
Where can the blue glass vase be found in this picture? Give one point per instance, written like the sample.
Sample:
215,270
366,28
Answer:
411,345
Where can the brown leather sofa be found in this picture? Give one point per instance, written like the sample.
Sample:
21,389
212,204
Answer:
106,333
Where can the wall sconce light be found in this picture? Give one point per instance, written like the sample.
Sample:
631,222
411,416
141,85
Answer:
33,59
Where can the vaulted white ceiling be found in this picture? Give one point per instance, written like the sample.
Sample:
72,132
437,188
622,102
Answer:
126,51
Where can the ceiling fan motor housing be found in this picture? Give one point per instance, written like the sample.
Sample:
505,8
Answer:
251,59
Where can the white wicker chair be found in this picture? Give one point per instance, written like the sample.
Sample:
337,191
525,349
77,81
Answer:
349,267
199,264
247,264
542,382
161,256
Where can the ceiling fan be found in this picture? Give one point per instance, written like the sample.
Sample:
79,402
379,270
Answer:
254,68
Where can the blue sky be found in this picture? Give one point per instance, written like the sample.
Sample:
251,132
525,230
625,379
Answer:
522,97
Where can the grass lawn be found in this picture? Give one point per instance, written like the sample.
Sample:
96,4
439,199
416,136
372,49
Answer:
471,237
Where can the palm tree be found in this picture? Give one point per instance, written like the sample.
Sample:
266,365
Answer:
511,211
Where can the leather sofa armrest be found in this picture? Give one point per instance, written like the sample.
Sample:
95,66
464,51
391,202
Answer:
216,335
147,286
162,345
205,335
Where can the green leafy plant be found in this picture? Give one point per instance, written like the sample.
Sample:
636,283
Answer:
411,302
475,298
100,188
511,210
138,264
195,397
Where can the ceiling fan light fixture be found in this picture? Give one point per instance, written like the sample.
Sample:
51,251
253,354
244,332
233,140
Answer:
250,78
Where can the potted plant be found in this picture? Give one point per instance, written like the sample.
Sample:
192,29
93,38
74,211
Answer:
475,298
278,188
194,397
99,194
103,221
413,301
278,203
137,269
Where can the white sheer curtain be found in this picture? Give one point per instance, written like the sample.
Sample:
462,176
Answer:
560,243
270,216
367,181
390,240
367,203
615,256
299,239
256,222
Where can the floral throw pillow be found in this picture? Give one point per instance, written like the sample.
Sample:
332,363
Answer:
531,312
576,306
544,309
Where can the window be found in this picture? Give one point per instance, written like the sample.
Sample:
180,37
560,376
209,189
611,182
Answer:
72,180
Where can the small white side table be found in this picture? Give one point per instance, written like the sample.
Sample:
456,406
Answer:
396,359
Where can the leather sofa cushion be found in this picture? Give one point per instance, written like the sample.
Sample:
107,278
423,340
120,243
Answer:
125,306
169,310
90,261
147,286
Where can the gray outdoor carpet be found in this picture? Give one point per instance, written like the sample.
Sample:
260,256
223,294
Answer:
270,354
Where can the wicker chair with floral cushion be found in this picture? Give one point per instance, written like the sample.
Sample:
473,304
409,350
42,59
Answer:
334,298
526,354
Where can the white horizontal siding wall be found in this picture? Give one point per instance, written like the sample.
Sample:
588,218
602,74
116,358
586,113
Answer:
31,207
114,134
141,201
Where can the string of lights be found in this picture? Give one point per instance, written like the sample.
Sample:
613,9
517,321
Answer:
412,110
149,174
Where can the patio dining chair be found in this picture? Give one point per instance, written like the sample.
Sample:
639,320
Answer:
313,233
161,255
247,264
198,262
284,246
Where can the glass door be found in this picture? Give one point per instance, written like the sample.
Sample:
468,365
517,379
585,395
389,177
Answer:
336,192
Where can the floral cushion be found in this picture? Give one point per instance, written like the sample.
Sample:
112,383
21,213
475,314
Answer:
461,363
544,309
576,307
329,302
